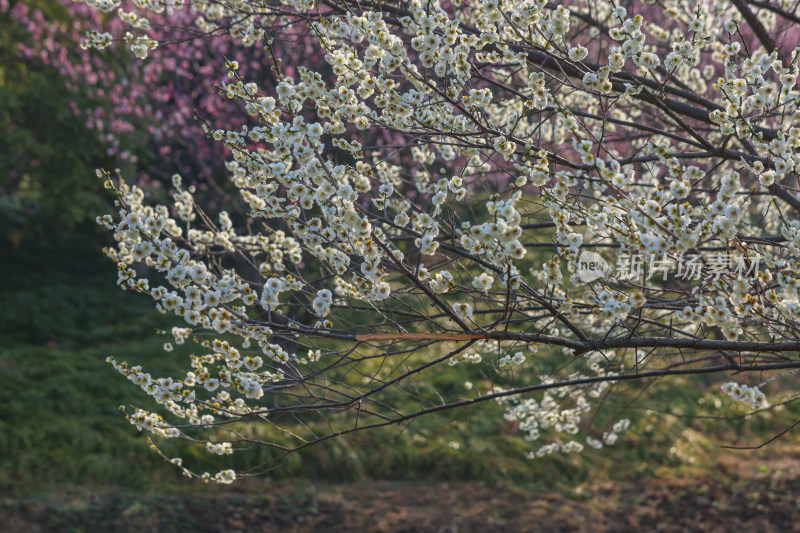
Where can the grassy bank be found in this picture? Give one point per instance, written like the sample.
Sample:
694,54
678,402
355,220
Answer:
61,427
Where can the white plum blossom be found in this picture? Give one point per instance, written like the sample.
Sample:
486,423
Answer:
438,169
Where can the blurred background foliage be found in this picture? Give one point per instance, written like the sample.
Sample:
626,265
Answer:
46,155
61,315
65,112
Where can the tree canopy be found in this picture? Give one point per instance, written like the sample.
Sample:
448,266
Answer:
564,198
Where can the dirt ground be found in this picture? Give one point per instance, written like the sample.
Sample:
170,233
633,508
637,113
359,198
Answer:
743,495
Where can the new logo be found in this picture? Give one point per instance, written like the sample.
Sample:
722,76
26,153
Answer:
591,266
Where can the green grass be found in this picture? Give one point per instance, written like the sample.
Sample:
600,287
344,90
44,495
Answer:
61,315
59,321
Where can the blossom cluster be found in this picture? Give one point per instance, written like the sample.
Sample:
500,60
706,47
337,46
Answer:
560,413
746,394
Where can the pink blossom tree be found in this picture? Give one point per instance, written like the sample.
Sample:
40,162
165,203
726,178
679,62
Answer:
142,113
